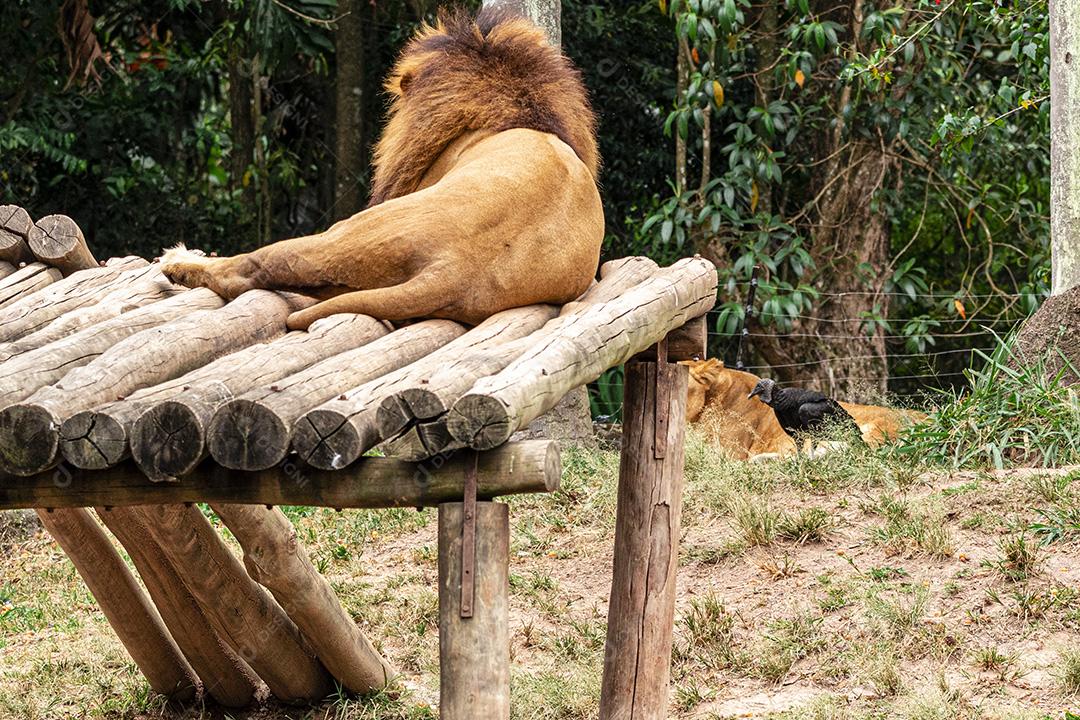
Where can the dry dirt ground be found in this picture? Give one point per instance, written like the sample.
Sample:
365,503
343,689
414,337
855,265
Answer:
852,586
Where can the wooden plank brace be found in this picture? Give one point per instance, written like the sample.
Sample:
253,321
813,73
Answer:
468,541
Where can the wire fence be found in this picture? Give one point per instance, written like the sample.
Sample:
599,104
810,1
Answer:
911,373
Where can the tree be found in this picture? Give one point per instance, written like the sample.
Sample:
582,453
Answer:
545,13
350,157
1065,142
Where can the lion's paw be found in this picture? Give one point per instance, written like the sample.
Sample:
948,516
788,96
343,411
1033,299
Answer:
184,267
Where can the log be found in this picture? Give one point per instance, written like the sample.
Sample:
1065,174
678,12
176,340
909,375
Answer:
474,653
57,241
172,417
242,613
128,609
34,312
253,431
139,293
25,281
417,413
276,559
338,432
15,224
22,376
598,338
225,676
641,611
6,269
689,342
374,482
30,429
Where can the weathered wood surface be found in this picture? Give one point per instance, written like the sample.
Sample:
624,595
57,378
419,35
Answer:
22,376
474,653
516,468
224,675
26,280
253,431
641,611
32,313
689,342
147,286
58,242
338,432
242,612
275,558
598,338
30,429
15,224
6,269
123,602
166,424
414,419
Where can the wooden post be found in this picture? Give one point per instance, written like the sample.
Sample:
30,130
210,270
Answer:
637,659
1065,144
474,653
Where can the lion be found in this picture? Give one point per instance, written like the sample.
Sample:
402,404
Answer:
484,193
718,399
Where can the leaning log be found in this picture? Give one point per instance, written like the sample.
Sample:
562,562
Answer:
57,241
243,613
253,431
15,224
225,676
30,429
124,603
32,313
276,559
27,280
598,338
166,424
415,418
146,287
374,482
338,432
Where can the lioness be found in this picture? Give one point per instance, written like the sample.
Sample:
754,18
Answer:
484,193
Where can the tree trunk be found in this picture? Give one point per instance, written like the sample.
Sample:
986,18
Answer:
1065,143
349,86
545,13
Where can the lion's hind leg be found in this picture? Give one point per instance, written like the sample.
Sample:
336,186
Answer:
419,297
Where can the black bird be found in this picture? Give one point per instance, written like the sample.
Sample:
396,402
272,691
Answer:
800,411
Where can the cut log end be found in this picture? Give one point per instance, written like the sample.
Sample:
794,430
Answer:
167,441
93,441
324,439
411,405
15,224
56,240
246,435
480,422
29,439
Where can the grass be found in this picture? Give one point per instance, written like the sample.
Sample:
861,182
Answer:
843,586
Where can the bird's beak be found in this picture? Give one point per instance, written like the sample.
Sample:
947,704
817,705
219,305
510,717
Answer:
755,393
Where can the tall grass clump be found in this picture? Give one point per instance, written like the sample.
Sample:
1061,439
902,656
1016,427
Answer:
1014,414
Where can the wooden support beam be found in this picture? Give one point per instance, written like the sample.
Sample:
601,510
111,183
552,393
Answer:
30,429
641,612
474,652
526,467
242,613
172,417
123,602
225,676
338,432
689,342
602,336
84,289
254,431
276,559
58,242
25,281
426,400
15,224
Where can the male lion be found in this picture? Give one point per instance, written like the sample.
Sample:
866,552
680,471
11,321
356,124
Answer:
484,193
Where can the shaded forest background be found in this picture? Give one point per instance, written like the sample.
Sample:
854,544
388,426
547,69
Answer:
884,166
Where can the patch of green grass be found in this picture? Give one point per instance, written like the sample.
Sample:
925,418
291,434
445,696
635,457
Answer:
1018,559
707,635
1069,671
755,519
909,531
807,525
899,611
1013,414
787,641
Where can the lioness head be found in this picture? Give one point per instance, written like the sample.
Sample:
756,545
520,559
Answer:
495,72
